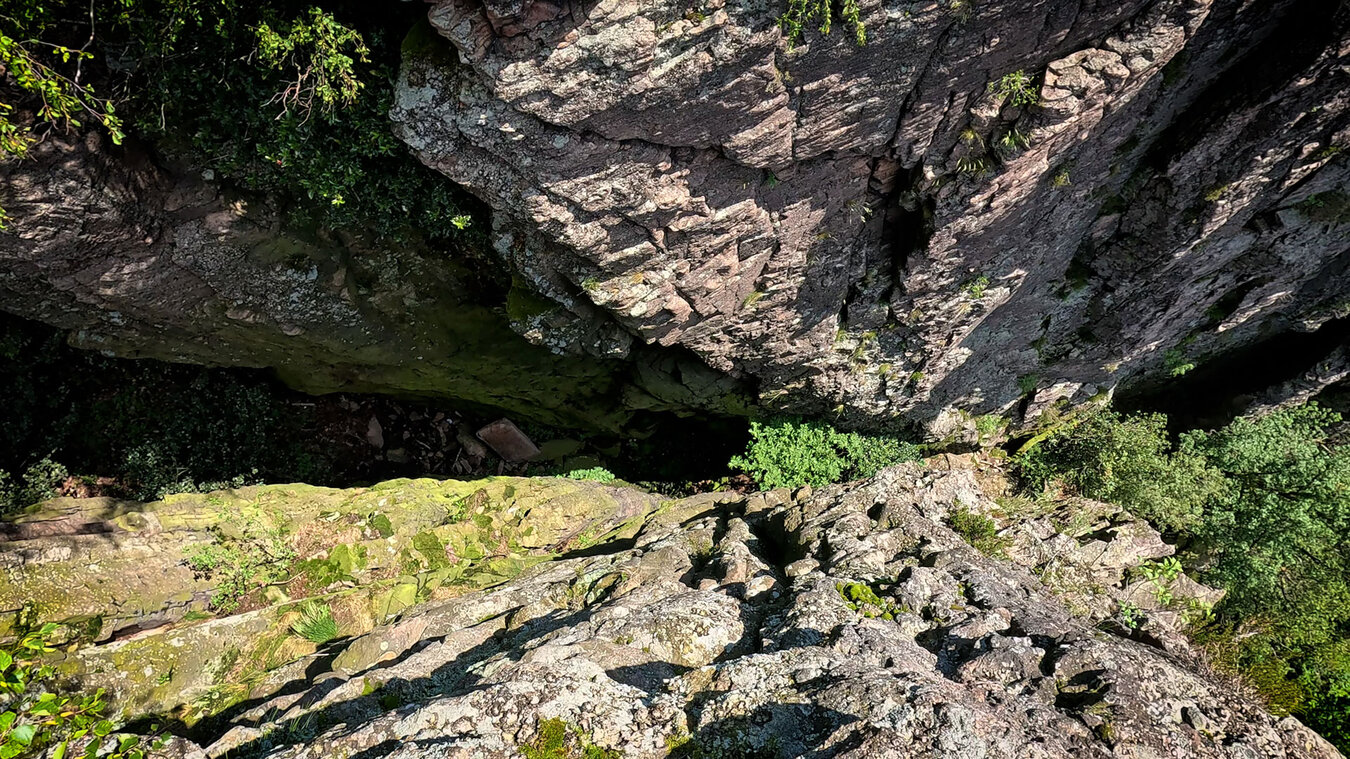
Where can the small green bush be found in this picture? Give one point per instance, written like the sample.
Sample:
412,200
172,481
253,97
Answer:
1015,88
977,530
791,453
597,473
238,566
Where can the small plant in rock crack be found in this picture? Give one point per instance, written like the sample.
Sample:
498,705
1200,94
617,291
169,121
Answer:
978,530
801,13
316,623
557,739
1015,88
976,287
861,598
1012,141
1162,574
1130,615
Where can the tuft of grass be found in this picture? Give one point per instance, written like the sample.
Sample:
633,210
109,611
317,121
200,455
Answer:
316,623
979,531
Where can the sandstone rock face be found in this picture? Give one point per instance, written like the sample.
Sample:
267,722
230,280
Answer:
849,621
891,233
885,230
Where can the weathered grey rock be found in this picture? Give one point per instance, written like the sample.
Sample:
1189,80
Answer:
685,629
843,224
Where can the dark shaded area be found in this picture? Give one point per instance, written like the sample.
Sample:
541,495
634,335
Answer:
134,427
1220,388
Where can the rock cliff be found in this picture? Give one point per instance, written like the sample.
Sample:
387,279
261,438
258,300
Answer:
479,619
987,207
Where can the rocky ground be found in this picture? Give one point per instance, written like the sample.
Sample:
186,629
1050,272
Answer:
479,619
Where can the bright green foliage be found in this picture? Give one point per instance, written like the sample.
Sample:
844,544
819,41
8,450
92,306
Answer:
1016,88
598,474
36,720
1262,509
319,55
559,740
802,13
1126,460
316,623
239,566
790,453
977,530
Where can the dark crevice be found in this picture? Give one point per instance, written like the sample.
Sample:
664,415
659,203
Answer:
1219,389
909,222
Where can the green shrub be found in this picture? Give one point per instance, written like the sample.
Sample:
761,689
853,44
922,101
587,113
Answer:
239,566
977,530
597,473
37,719
791,453
1015,88
1127,460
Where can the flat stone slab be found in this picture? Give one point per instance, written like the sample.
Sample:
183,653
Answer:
504,437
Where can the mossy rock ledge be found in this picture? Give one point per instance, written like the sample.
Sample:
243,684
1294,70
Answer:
496,617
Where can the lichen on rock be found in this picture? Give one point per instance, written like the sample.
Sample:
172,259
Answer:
848,620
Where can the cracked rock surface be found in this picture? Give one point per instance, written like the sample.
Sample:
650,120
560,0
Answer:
883,229
993,207
848,621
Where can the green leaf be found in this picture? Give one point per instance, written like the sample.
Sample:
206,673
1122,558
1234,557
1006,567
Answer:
23,734
5,660
103,727
6,720
60,751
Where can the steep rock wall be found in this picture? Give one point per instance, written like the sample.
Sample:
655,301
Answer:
877,231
